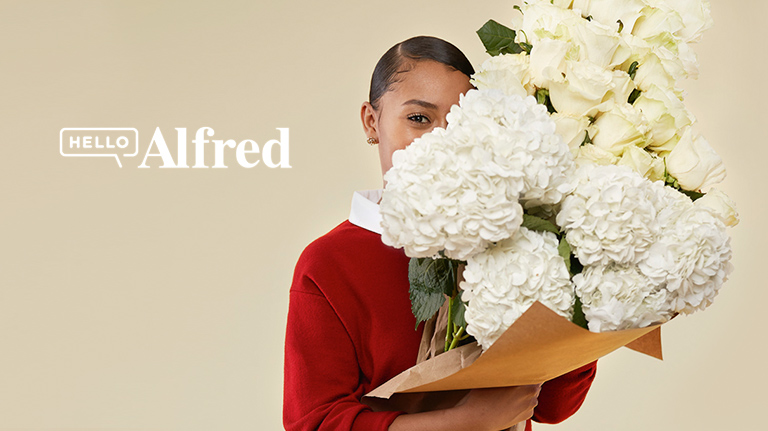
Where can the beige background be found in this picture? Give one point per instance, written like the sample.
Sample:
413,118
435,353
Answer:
155,299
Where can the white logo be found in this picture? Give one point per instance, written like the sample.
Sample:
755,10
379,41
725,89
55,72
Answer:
116,142
99,142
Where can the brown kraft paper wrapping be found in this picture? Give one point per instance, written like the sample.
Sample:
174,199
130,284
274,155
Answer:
539,346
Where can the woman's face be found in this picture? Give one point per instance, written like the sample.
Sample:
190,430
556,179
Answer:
413,106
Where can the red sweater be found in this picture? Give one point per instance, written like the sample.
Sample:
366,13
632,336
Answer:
350,329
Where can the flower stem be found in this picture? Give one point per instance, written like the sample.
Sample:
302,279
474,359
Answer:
449,327
456,338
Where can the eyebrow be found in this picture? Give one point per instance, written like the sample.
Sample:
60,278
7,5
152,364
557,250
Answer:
421,103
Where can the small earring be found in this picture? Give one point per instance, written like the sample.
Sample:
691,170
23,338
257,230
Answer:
372,141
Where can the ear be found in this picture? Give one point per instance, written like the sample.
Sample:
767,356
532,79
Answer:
369,118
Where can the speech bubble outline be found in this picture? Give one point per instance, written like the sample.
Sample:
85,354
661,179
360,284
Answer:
61,142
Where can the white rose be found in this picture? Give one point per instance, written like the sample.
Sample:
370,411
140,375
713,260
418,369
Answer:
652,71
547,61
658,33
622,86
507,72
573,38
597,43
695,14
694,163
589,153
540,20
677,58
688,58
618,128
565,4
643,163
655,65
721,205
572,129
637,46
664,149
665,113
609,12
656,24
582,91
673,62
658,170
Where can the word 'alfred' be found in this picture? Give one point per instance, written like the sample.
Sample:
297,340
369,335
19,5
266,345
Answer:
247,151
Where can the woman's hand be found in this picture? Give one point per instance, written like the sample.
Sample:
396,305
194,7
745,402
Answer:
491,409
499,408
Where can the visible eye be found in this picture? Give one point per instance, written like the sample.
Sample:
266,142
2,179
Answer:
418,118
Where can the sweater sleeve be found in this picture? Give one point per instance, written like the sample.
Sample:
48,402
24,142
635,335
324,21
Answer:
322,386
562,396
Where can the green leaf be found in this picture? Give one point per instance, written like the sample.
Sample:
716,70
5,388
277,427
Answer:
672,182
576,266
692,194
587,139
633,70
424,305
578,315
539,224
430,279
633,96
498,39
542,98
457,311
565,252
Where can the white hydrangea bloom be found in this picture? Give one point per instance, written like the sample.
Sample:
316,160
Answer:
610,217
616,297
691,257
529,133
669,204
502,282
451,195
458,189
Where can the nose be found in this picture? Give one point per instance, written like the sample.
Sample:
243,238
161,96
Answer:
442,122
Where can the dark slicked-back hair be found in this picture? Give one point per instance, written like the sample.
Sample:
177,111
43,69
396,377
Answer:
394,62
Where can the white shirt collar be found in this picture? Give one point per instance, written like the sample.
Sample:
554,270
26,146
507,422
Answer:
365,210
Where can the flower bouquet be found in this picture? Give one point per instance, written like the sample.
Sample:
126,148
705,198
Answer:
567,208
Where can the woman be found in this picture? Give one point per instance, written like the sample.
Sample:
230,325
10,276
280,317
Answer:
350,327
